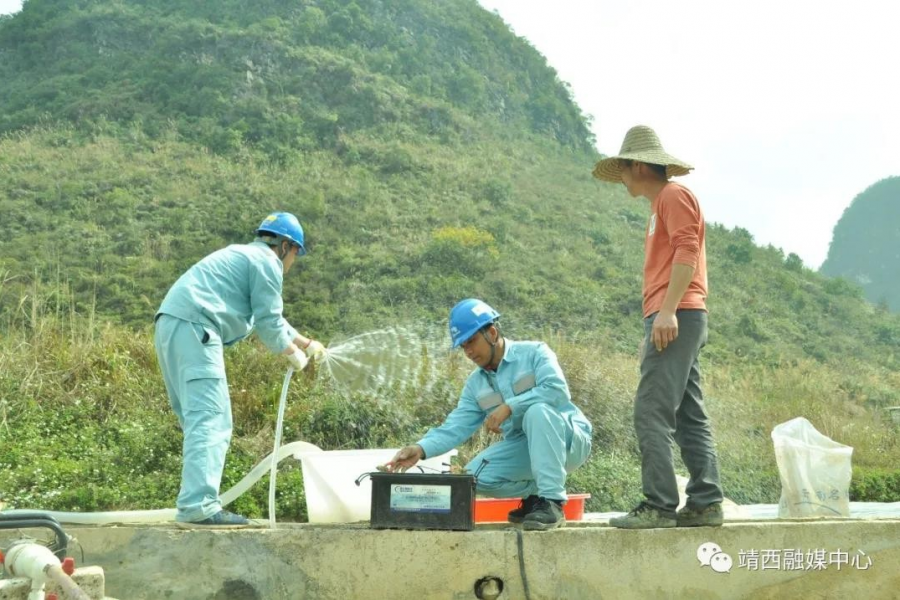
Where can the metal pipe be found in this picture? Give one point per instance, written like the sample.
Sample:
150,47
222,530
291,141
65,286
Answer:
27,520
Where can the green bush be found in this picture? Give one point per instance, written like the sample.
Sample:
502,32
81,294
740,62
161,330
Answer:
612,479
356,421
875,485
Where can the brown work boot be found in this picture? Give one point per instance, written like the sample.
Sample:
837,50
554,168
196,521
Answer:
692,515
644,516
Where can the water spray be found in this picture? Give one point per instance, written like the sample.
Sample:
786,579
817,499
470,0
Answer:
395,357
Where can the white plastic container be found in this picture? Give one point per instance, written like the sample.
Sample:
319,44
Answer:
329,480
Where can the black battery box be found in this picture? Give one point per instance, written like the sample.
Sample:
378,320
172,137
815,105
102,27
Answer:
423,501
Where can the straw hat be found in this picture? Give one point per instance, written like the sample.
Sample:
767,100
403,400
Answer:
641,144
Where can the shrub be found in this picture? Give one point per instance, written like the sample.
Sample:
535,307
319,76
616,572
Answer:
875,485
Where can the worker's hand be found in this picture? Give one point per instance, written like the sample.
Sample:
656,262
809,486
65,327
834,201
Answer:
315,350
500,414
298,360
665,330
405,458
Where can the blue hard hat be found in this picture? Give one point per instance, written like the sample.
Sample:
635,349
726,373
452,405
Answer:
285,225
467,317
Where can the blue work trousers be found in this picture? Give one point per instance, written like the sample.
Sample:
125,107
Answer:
193,367
535,460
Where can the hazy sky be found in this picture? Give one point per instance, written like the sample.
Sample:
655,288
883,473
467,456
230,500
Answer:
787,108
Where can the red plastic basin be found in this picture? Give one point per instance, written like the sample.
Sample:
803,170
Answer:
496,510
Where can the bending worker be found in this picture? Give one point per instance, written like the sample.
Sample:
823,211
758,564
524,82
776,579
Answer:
216,303
520,391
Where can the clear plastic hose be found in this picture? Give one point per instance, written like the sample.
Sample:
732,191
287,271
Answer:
167,515
278,428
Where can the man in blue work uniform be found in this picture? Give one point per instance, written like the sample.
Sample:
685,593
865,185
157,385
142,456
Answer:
520,391
216,303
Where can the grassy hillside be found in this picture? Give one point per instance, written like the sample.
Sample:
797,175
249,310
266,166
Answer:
431,155
120,219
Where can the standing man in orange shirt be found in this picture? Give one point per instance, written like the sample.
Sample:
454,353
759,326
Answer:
669,401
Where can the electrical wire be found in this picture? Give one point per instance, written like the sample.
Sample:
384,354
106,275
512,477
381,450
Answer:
520,544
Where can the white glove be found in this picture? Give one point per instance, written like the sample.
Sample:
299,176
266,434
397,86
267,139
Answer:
315,350
298,360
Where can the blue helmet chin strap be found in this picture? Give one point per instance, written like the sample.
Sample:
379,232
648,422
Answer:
276,242
492,344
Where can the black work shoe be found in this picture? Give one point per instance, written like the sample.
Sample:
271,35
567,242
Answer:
546,514
517,515
692,515
644,516
221,520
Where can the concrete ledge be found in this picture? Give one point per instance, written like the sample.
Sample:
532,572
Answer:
589,561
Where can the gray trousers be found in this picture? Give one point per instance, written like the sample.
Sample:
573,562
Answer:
669,406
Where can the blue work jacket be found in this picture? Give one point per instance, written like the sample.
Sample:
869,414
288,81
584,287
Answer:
234,290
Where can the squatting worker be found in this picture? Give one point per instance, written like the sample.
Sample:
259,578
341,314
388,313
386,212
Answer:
669,402
519,391
217,302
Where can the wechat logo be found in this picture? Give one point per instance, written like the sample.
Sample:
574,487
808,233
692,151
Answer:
711,555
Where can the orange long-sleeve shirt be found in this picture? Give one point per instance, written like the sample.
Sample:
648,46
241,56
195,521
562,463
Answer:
676,233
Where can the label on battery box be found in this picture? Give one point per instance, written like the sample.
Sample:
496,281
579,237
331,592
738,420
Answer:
420,498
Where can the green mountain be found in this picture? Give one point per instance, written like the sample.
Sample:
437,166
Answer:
865,247
431,155
393,132
280,76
